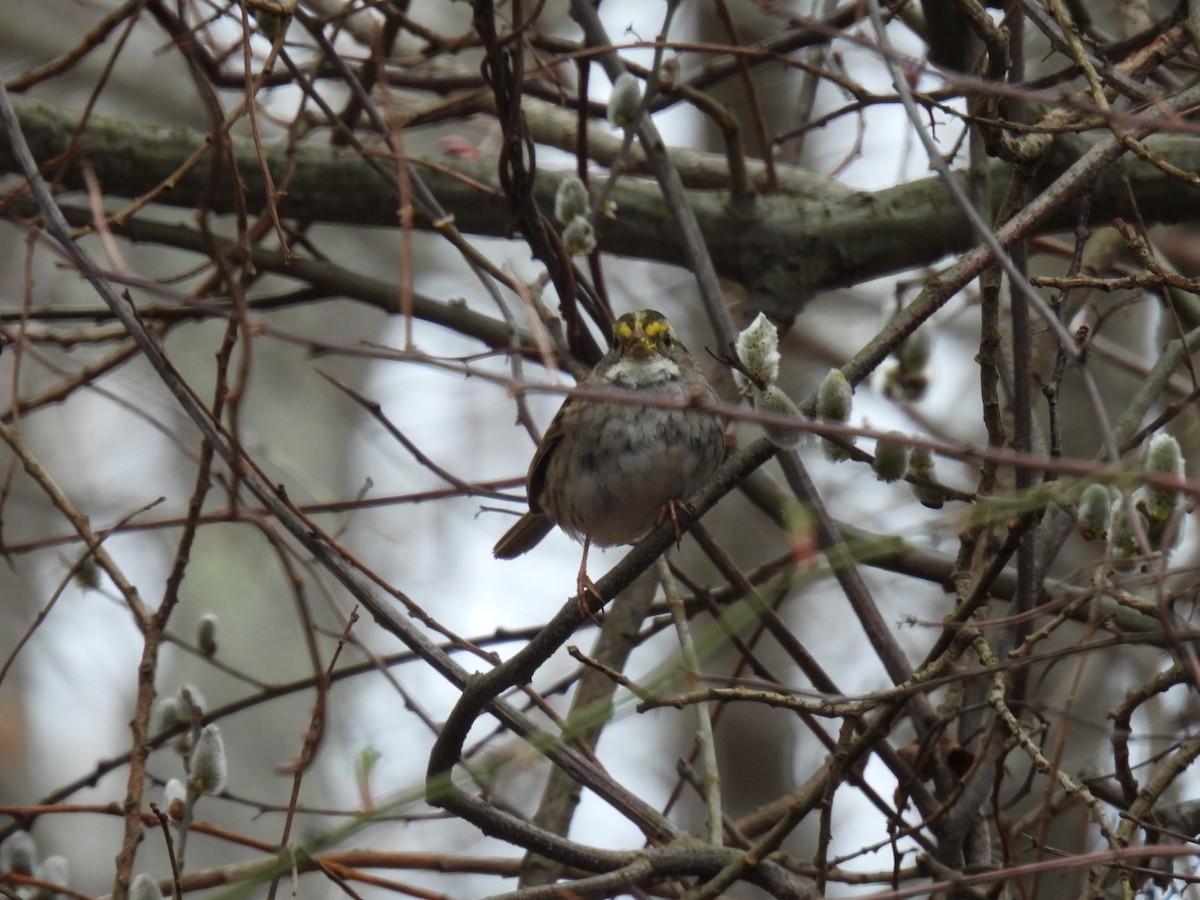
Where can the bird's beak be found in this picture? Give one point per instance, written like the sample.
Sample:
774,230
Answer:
640,346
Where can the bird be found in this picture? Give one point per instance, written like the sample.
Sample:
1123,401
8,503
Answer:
607,472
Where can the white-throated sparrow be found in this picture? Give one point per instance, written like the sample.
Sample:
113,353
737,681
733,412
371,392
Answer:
605,471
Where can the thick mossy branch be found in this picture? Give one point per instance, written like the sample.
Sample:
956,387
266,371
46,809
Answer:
783,248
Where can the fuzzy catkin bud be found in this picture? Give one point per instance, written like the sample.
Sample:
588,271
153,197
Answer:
54,869
920,464
757,350
625,101
835,452
1163,457
208,766
1095,512
88,576
835,401
579,237
906,379
668,73
175,799
571,200
206,634
774,400
18,853
835,397
914,351
193,700
891,457
1125,549
272,24
167,713
143,887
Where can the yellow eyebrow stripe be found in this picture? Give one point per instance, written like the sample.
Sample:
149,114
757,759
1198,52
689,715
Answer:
656,329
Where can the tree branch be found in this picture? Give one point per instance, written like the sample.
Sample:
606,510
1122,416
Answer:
785,249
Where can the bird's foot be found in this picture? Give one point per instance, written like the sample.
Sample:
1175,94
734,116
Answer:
588,598
680,512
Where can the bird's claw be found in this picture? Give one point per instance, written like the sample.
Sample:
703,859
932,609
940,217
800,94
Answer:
680,512
587,598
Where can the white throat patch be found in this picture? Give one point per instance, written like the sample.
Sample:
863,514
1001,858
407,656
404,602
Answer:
635,373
